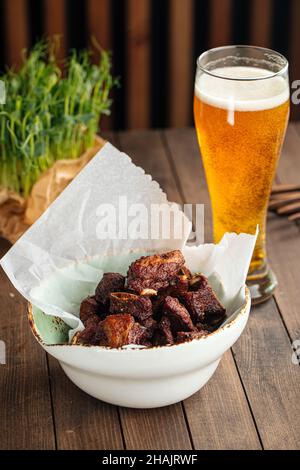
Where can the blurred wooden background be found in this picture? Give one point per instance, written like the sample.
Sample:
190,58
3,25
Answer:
155,44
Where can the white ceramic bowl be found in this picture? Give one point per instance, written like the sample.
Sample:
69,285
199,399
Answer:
139,378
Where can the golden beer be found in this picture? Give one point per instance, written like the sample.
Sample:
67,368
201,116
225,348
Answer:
241,123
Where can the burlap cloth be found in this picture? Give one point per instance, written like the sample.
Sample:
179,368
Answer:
17,213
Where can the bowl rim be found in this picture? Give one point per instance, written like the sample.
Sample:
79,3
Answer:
233,321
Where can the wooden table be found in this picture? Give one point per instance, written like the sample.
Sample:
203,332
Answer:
253,400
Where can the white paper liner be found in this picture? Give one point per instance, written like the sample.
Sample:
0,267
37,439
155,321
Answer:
60,259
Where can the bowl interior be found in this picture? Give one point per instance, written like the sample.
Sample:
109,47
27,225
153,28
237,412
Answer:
70,285
48,329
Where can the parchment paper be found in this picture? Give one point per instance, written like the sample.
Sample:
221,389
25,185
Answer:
60,259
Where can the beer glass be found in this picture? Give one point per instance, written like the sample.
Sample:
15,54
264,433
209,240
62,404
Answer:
241,110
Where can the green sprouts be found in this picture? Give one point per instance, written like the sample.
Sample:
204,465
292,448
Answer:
50,114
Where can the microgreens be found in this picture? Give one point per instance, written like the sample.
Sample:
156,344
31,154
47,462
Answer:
50,114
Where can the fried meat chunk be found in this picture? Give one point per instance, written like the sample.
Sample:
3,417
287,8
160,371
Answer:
138,306
89,335
154,272
160,303
163,334
119,330
204,307
178,315
150,324
88,307
176,288
110,282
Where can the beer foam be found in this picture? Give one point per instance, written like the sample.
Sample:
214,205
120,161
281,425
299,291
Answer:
243,95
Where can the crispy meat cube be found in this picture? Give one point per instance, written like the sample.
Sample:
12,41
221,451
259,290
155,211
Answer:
89,335
118,330
114,330
178,315
204,307
163,334
151,287
139,307
183,336
176,288
162,267
139,335
214,311
150,324
154,271
110,282
198,281
194,305
89,307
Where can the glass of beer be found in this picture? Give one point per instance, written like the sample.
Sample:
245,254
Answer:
241,110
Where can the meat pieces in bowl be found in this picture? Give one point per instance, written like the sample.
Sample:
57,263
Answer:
158,303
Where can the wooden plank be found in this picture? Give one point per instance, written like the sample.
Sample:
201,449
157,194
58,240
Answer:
261,22
111,137
16,30
289,164
163,428
296,127
272,382
283,247
99,25
146,150
218,415
284,242
181,62
99,28
263,353
156,429
26,420
209,411
82,422
220,22
294,56
55,22
138,63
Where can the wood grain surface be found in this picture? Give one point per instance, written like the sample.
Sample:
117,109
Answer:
16,30
252,401
26,420
181,64
138,63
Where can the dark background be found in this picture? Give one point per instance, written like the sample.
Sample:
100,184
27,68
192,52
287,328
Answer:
155,44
